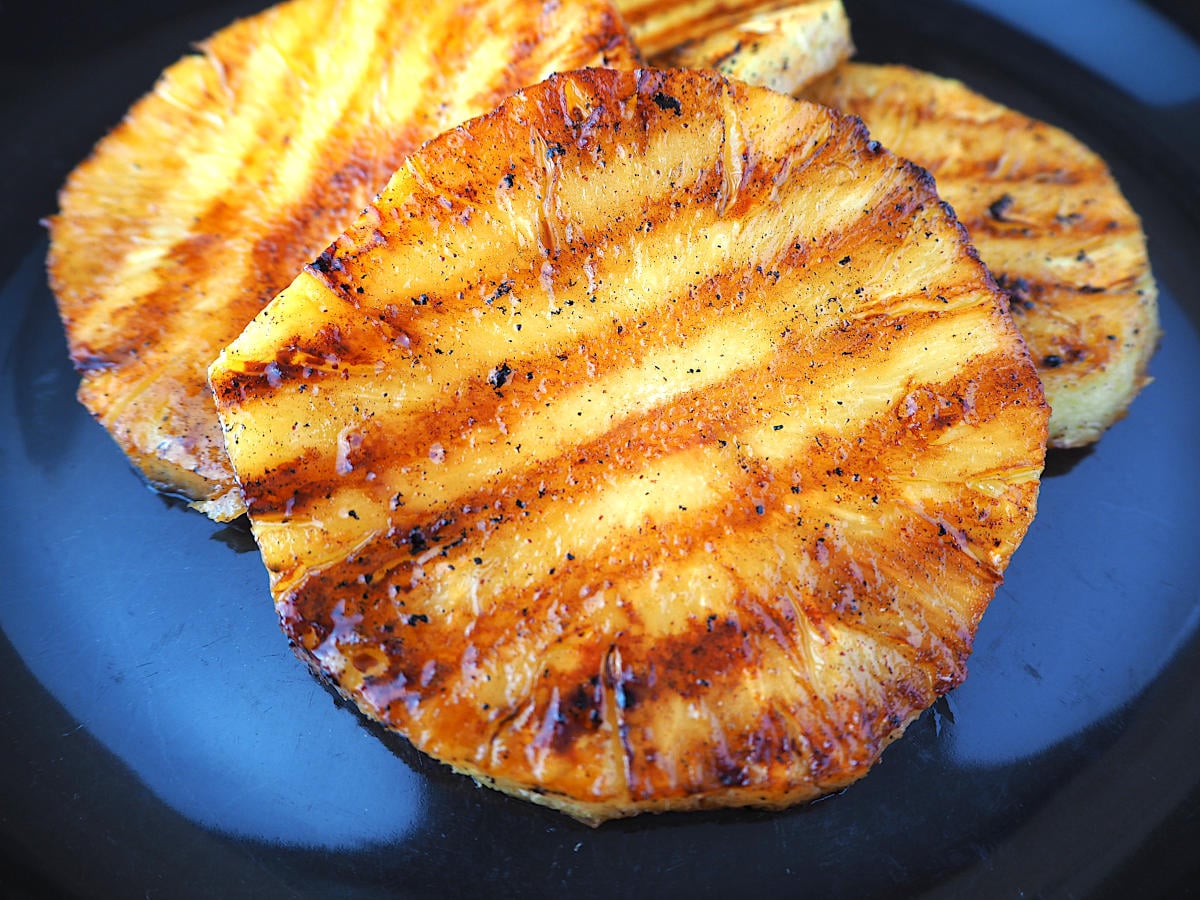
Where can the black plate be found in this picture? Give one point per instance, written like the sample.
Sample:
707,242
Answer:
159,739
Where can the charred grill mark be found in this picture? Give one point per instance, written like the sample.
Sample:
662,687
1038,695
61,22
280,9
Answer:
311,219
350,172
696,421
1068,249
666,101
1065,325
1000,208
571,367
308,359
134,335
543,620
444,78
1043,227
708,655
191,261
582,714
522,66
579,367
208,301
665,25
1021,293
297,473
146,331
766,740
991,171
329,197
87,361
1027,291
123,235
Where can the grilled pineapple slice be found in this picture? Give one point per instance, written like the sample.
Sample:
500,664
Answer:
655,442
244,162
1047,218
781,45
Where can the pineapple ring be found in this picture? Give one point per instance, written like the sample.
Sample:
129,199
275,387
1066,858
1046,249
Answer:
241,165
654,442
780,44
1048,219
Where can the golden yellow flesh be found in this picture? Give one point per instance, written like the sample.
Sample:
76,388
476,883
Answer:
1047,218
780,45
654,442
242,164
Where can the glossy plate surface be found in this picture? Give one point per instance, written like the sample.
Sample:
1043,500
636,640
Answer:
158,738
